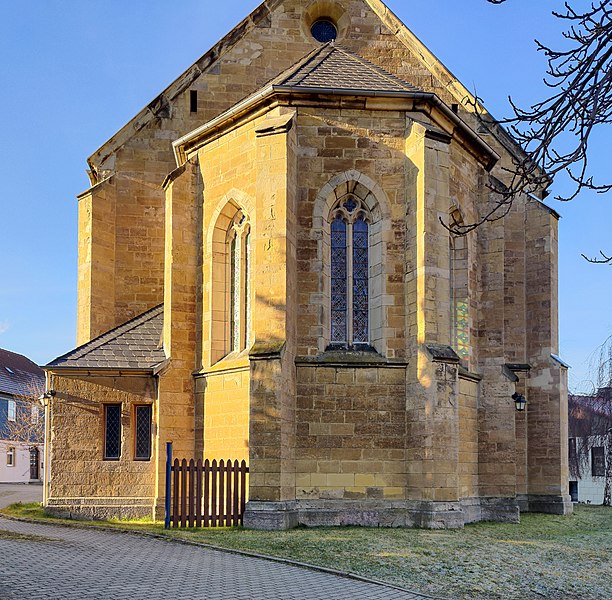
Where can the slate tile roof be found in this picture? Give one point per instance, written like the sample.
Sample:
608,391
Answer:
19,376
133,345
332,67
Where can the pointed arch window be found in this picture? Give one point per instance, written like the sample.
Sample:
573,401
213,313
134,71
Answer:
238,285
230,313
459,290
350,280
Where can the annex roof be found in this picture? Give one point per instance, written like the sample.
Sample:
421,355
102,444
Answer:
135,345
332,67
19,376
332,70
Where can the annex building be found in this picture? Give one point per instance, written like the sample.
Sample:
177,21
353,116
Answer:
264,275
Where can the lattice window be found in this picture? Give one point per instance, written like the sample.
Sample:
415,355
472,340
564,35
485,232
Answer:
350,279
142,428
112,431
231,289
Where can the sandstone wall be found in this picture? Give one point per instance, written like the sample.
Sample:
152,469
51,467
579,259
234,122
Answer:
81,482
226,413
351,432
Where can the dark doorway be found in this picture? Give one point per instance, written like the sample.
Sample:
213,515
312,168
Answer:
34,463
573,490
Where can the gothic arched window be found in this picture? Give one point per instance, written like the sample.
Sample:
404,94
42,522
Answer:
459,290
230,301
350,289
238,289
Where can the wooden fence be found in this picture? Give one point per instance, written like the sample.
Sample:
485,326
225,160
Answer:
208,494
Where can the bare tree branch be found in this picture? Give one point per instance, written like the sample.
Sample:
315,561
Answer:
590,421
28,426
555,132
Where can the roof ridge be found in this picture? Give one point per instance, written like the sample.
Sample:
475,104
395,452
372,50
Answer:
308,59
333,66
383,72
113,333
293,69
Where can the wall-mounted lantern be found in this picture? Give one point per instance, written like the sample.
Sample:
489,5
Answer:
520,402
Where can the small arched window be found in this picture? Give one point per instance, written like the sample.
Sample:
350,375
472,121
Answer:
350,289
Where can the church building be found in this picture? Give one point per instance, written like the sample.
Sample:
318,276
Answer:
264,273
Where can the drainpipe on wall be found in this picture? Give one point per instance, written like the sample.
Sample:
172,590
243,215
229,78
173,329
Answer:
45,400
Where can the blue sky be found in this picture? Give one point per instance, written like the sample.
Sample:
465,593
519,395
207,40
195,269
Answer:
74,71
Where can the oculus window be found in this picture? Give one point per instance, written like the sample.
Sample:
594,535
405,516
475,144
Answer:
324,30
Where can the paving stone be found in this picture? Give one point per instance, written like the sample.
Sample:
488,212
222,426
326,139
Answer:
81,564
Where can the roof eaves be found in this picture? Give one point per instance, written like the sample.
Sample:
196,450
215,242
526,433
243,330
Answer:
99,371
189,142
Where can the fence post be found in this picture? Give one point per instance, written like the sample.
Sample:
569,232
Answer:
168,483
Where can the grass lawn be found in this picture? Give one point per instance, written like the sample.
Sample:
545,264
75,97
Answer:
543,557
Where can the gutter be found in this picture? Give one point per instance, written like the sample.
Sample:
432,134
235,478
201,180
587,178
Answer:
189,142
100,371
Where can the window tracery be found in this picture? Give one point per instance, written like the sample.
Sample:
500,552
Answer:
230,297
238,242
350,294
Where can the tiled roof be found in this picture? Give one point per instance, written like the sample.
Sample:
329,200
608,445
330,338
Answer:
332,67
133,345
19,376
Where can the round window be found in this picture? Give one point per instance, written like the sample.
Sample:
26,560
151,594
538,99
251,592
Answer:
324,31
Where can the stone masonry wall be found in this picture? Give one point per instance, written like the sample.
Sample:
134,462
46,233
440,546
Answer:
351,432
141,152
468,438
226,413
80,480
371,143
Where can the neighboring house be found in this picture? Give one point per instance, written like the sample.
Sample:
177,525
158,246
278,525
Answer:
21,441
263,275
590,440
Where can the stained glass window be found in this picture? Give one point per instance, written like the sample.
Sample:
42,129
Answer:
349,273
462,328
339,280
459,300
360,281
112,431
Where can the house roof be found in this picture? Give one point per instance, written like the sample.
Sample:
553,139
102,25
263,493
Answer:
332,67
19,376
135,345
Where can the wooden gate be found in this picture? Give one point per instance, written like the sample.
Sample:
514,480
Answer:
206,494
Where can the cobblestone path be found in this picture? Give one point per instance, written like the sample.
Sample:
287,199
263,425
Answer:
71,563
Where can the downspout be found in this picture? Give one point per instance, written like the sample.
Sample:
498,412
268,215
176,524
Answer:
46,399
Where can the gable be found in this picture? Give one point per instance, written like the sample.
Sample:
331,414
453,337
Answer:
271,39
